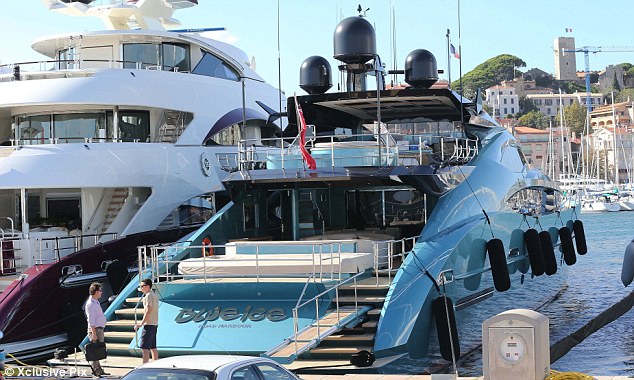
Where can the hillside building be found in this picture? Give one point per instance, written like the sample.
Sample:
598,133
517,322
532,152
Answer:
503,100
549,104
603,116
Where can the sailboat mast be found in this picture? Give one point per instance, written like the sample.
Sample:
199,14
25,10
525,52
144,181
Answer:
564,168
616,158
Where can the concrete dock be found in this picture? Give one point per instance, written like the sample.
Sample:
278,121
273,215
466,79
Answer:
116,368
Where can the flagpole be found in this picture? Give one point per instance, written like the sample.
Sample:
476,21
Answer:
448,59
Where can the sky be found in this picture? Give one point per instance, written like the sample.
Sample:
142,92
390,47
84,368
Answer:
487,28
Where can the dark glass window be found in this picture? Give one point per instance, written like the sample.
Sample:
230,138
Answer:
212,66
145,55
76,127
168,57
176,57
134,125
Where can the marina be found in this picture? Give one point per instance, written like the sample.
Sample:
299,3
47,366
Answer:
386,226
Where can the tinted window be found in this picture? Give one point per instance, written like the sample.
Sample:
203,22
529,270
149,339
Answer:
77,126
169,374
147,55
134,125
271,372
245,373
34,129
175,57
212,66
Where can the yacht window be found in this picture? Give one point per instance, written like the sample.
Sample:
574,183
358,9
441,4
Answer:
134,125
33,212
228,136
212,66
148,55
63,58
77,127
62,211
167,56
176,57
34,129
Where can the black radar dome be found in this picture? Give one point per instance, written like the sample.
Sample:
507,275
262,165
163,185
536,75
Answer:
78,1
421,69
314,75
354,40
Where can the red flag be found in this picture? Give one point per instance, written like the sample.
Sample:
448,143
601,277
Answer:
310,161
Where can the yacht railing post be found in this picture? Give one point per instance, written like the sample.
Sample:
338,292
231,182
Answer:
295,327
257,263
57,255
204,265
2,255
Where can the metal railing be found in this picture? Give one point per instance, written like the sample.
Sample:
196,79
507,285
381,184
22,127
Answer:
325,260
323,256
316,299
60,250
334,150
72,68
69,140
395,250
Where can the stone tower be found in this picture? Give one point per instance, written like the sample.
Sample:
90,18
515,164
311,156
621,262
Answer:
565,62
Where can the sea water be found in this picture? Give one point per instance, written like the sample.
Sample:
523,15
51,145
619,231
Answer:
593,285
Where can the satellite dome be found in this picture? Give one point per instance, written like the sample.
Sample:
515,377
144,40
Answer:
314,75
354,40
420,69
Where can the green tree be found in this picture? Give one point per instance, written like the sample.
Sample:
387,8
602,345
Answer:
575,117
535,119
571,87
489,73
627,95
526,105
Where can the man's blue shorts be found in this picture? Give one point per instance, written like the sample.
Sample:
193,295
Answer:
148,337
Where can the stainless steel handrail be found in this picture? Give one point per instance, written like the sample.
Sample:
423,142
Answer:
316,299
444,149
57,249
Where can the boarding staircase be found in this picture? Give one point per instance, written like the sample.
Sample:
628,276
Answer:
119,332
319,354
116,204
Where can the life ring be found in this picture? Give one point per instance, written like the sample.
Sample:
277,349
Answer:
445,320
535,254
208,249
566,246
499,267
580,237
550,261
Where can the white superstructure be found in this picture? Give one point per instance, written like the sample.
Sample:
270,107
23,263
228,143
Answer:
115,132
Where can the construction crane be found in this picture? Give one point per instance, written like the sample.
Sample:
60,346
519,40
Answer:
586,50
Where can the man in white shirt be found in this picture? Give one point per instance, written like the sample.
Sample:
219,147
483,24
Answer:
96,322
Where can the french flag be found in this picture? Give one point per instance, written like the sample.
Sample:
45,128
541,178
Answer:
453,51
